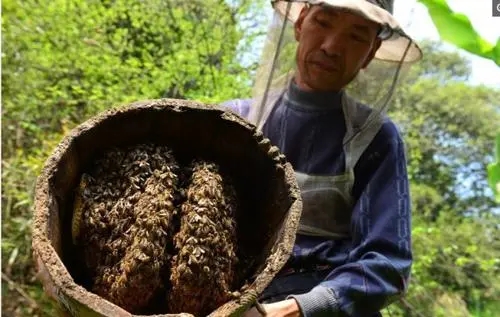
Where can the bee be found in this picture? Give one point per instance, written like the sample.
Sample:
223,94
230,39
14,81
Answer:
124,206
202,227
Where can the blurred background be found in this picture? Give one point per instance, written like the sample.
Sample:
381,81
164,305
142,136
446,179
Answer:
64,61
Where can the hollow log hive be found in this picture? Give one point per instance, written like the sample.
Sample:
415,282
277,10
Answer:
138,214
110,247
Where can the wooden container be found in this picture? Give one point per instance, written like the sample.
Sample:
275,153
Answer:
266,182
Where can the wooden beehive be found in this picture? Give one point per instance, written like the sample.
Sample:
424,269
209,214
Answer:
265,182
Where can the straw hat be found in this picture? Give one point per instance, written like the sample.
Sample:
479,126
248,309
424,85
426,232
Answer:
395,41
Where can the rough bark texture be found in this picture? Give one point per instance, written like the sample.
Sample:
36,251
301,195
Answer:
270,199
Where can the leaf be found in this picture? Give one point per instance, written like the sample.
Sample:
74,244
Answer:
13,257
457,29
494,171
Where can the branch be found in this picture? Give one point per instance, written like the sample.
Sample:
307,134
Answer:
407,305
33,304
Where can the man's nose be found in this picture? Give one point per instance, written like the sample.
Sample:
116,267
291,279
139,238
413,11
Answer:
334,43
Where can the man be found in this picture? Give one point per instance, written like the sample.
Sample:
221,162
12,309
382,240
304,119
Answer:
352,255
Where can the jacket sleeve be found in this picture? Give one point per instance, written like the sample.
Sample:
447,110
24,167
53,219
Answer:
240,106
378,267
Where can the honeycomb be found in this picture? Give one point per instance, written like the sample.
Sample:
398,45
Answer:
138,213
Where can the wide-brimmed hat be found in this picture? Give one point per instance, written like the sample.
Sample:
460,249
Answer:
396,45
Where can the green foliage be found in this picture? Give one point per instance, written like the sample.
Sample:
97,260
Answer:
76,58
63,61
494,171
451,258
486,309
449,127
22,295
457,29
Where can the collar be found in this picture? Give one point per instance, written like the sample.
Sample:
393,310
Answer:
312,101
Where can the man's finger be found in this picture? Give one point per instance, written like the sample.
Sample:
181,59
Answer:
252,312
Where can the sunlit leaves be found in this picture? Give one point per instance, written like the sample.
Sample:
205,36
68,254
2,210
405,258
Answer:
74,58
494,171
457,29
66,60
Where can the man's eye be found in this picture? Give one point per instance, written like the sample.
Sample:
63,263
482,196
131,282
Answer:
359,38
323,22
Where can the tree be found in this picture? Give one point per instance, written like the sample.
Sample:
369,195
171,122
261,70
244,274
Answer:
79,57
456,29
64,61
448,126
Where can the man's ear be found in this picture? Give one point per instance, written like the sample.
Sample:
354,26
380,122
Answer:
373,51
300,20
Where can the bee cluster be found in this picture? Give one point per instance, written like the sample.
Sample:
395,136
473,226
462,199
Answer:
199,278
146,224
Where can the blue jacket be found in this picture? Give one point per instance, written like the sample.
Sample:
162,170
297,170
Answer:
371,269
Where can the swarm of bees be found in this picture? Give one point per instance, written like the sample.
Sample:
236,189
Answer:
139,214
205,244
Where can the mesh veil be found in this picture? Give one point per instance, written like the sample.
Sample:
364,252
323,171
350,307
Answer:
373,86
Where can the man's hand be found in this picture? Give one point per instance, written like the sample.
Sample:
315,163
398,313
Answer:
285,308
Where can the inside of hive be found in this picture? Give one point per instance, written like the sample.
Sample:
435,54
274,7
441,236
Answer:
261,193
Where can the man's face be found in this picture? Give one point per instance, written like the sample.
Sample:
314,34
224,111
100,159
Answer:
333,46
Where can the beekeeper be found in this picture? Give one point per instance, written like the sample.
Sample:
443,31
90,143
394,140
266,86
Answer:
328,72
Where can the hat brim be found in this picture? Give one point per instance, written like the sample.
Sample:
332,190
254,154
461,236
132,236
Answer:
399,47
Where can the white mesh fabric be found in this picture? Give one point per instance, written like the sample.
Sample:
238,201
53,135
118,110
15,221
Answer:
278,65
365,100
325,212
